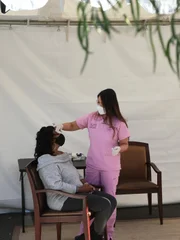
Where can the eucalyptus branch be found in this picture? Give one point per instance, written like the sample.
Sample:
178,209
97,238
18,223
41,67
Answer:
153,47
83,30
99,20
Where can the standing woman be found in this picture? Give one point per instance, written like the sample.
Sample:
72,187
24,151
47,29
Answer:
108,134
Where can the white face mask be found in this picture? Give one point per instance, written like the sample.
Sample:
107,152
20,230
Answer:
101,110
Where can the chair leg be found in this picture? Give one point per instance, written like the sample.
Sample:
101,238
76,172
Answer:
160,206
37,230
86,223
150,203
58,229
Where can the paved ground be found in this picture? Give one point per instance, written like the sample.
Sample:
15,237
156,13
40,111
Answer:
9,221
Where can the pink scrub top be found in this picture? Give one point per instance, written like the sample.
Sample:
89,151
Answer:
102,141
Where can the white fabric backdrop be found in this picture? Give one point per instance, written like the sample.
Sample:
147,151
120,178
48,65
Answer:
54,10
40,84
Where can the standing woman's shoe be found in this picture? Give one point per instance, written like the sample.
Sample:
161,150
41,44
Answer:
80,237
94,235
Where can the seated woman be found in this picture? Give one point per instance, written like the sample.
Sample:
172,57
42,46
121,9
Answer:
57,172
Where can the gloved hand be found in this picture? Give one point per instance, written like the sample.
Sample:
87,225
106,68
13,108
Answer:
58,128
116,150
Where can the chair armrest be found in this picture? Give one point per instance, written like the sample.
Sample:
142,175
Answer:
86,212
159,173
75,196
155,168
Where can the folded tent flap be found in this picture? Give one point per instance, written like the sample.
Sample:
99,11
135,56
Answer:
3,8
17,5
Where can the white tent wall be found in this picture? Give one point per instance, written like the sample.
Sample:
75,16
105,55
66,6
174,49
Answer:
40,83
53,11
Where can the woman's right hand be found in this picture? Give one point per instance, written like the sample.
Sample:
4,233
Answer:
58,128
71,126
86,188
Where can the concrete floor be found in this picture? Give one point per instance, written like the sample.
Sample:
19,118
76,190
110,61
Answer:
9,221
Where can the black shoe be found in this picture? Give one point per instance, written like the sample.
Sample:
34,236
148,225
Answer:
80,237
94,235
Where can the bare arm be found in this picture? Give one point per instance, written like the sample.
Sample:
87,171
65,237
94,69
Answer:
124,144
71,126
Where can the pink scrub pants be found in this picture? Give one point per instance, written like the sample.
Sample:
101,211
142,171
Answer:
108,180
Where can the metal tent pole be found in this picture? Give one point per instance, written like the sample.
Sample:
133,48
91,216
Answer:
69,22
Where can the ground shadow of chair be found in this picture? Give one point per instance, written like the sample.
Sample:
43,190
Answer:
42,214
135,177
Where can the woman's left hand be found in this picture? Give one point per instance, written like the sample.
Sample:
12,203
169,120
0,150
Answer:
116,150
93,188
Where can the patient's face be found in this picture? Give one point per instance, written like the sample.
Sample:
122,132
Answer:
54,145
60,140
55,134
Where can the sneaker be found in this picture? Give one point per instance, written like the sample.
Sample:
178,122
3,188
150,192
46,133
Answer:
80,237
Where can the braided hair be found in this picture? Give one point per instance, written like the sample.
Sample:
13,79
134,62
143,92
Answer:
44,141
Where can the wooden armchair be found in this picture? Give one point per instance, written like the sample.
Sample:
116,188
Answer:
135,176
42,214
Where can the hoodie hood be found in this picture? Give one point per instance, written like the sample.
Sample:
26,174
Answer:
48,159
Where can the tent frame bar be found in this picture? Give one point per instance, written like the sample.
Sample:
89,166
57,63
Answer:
69,22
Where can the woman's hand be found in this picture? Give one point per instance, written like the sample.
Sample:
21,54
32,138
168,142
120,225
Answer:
86,188
71,126
91,186
116,150
58,128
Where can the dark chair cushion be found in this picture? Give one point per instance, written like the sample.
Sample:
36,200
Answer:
53,213
136,185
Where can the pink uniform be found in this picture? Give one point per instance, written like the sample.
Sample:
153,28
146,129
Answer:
102,167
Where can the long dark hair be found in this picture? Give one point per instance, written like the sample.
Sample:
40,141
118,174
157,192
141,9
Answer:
111,106
44,141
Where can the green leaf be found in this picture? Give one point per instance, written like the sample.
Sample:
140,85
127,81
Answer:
168,53
99,19
138,10
126,19
178,59
106,22
153,47
155,6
